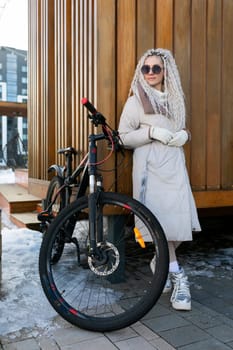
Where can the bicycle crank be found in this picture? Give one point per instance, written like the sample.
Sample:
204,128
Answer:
107,261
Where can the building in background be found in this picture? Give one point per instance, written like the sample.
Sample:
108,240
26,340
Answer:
13,88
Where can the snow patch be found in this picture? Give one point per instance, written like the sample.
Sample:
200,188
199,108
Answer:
22,300
7,176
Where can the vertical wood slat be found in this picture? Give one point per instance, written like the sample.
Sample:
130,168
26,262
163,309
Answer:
145,26
106,75
42,153
74,65
85,70
227,97
44,101
182,52
67,73
198,101
57,75
38,87
34,109
164,24
81,69
49,88
75,53
126,61
213,97
43,88
61,68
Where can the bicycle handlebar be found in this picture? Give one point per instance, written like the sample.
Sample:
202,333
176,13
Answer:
85,102
96,117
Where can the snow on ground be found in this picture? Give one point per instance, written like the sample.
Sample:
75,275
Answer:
210,255
22,301
205,264
7,176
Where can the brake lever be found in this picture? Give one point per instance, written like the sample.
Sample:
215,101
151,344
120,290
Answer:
97,119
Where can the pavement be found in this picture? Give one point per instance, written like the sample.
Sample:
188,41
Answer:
208,326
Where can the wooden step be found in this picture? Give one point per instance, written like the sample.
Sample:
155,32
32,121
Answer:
16,199
28,220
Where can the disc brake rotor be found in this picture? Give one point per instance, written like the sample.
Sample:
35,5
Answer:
111,262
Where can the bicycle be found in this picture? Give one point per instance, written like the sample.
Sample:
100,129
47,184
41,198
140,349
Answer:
103,282
15,153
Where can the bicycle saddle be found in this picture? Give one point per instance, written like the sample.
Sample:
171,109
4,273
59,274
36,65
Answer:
66,150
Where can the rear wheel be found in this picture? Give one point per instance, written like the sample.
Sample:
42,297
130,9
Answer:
116,287
54,203
55,184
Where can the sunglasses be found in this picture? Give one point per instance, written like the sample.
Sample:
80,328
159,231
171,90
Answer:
156,69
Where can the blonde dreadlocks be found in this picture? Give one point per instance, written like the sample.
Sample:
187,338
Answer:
169,102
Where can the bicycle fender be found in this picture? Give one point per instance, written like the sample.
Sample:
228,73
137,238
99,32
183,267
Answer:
57,168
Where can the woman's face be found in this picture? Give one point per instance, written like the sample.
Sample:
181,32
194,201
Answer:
154,79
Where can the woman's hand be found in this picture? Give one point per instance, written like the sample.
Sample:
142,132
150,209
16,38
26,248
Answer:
179,139
161,134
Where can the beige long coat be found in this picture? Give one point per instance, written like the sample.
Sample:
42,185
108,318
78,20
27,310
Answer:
160,179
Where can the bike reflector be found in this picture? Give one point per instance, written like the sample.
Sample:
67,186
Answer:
139,238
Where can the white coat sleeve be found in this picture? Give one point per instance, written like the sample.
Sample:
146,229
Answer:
131,133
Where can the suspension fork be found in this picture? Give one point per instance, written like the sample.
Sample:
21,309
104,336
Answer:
95,212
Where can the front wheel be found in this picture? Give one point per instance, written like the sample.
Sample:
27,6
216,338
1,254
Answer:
117,288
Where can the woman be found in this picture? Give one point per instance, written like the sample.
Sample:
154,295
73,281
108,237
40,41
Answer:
153,124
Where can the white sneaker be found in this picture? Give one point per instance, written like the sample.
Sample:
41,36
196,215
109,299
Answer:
181,298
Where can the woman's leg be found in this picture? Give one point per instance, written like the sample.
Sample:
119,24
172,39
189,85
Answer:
173,264
181,298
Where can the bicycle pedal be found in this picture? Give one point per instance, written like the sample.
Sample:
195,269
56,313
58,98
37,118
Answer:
44,216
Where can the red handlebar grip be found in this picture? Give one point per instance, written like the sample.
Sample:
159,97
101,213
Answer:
84,100
88,105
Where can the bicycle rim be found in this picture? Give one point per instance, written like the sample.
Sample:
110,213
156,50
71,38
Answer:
118,292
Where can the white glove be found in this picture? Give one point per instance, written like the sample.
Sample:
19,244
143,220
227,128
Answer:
179,139
161,134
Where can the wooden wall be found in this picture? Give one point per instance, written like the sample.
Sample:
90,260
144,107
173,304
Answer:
90,48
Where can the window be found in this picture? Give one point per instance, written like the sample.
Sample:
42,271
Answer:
24,69
11,63
11,76
11,91
24,80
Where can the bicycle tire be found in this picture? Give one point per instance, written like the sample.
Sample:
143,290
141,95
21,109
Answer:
52,190
98,302
55,209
